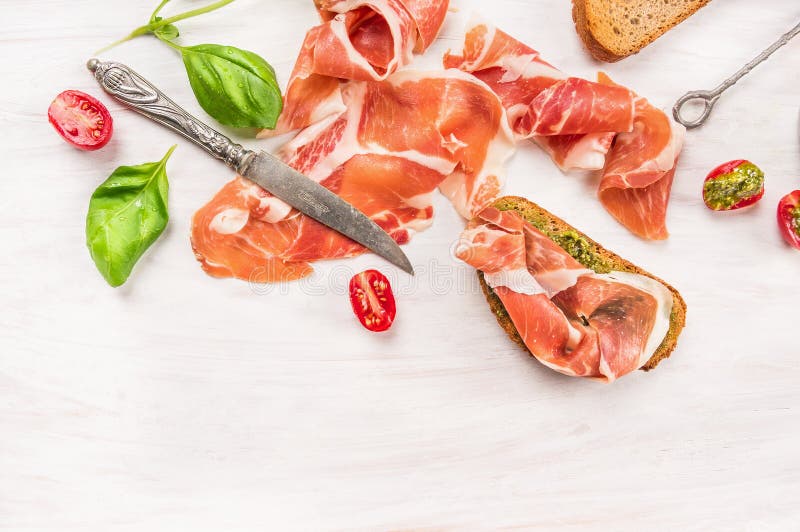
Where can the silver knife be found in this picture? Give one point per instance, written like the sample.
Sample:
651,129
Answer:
263,169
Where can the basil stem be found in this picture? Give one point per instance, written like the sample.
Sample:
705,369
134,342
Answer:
158,9
154,25
127,213
165,33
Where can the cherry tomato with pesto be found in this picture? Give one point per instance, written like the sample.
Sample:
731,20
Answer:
372,300
733,185
789,218
81,120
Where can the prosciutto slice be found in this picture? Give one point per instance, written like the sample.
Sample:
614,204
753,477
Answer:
577,152
578,121
397,141
552,268
573,119
621,315
639,170
494,243
579,323
576,106
357,40
513,253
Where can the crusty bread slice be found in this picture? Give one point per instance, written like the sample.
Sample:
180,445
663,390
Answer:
590,254
615,29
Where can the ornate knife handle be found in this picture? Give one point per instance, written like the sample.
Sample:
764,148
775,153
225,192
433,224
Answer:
142,96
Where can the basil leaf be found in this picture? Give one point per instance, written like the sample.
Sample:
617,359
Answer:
236,87
127,213
165,33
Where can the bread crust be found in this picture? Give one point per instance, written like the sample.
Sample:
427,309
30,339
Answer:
609,36
531,211
582,27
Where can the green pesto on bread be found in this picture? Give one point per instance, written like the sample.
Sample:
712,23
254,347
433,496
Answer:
590,254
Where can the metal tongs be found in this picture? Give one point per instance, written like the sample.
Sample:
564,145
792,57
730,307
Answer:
709,98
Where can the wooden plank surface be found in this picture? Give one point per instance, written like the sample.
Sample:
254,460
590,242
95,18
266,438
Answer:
181,402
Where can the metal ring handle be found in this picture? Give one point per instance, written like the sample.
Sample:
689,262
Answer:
707,97
710,97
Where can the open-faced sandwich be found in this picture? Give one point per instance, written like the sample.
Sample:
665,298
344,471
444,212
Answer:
577,307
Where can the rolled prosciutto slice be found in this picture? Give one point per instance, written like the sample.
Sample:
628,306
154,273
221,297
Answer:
573,119
639,170
357,40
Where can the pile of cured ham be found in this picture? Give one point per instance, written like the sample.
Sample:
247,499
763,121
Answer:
385,137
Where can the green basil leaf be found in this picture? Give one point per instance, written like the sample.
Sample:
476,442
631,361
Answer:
236,87
127,213
166,33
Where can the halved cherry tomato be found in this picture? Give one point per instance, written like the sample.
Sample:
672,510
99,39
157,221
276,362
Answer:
81,120
789,218
372,300
733,185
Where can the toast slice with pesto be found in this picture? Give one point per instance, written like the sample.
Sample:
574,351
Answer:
591,255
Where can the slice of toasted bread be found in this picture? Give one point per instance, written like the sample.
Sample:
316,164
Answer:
590,254
615,29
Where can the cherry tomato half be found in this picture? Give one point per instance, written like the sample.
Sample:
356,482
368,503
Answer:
733,185
789,218
81,120
372,300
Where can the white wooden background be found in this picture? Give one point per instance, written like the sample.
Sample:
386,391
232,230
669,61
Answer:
181,402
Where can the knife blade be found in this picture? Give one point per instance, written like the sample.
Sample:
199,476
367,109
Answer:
316,201
265,170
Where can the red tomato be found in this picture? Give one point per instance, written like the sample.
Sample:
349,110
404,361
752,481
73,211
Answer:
372,300
733,185
81,120
789,218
